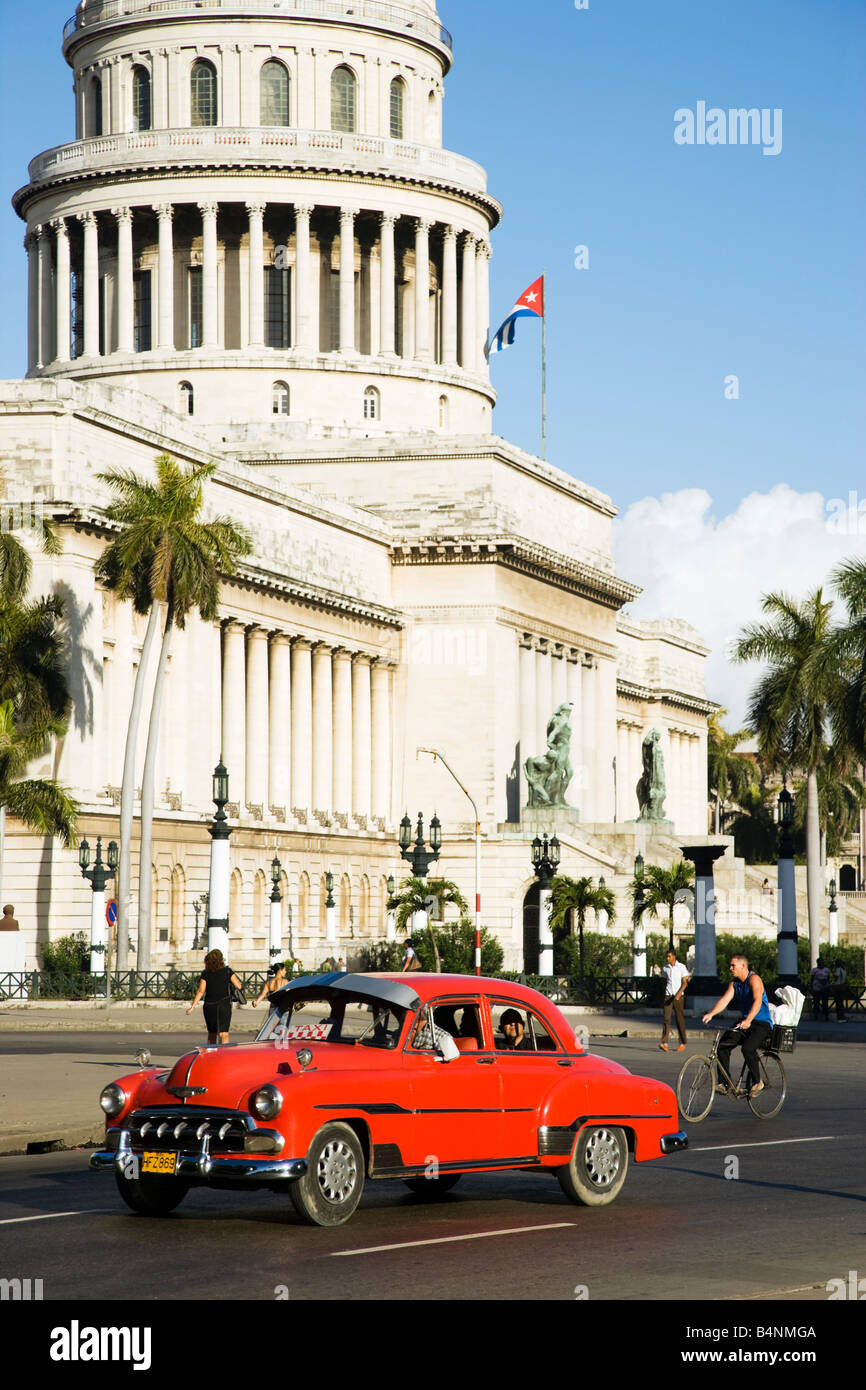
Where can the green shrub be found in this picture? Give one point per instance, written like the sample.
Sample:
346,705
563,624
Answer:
456,945
68,956
381,956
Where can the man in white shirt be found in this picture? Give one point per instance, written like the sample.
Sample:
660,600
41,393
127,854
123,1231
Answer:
676,979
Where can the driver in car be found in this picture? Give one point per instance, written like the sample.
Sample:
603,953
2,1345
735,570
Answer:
428,1035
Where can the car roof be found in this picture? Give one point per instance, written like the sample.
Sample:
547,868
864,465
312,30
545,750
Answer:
432,986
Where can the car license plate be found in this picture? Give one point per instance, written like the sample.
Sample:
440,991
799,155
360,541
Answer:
159,1163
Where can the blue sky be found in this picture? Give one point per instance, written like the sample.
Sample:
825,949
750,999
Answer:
704,261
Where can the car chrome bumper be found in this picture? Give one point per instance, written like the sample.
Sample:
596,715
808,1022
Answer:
672,1143
205,1165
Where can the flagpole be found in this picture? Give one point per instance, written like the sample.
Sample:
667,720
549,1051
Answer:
544,365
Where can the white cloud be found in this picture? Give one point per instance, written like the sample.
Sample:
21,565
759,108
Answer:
713,571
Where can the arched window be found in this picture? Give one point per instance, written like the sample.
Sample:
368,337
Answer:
177,906
203,93
345,910
274,92
260,923
94,105
344,91
398,93
443,412
186,397
304,903
371,403
236,902
364,907
280,398
141,115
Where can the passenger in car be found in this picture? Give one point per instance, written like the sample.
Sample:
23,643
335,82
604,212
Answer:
513,1031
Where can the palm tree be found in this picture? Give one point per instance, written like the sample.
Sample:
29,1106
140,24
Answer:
15,562
413,896
729,773
846,653
43,805
790,706
841,797
573,897
167,561
666,888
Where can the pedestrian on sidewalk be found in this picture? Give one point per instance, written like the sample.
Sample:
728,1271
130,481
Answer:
215,985
676,978
820,984
839,981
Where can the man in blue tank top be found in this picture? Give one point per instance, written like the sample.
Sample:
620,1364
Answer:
755,1026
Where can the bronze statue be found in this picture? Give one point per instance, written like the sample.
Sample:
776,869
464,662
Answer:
549,774
651,789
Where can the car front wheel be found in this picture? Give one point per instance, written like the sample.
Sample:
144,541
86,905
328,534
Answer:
331,1188
597,1168
151,1195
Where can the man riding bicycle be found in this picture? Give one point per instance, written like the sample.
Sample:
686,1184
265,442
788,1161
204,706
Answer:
754,1027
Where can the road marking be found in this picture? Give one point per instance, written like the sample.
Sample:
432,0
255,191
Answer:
50,1216
767,1143
768,1293
447,1240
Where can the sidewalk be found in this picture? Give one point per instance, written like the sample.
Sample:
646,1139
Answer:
53,1098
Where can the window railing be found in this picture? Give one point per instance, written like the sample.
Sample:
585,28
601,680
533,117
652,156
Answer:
366,11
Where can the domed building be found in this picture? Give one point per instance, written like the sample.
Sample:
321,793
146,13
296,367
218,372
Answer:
257,251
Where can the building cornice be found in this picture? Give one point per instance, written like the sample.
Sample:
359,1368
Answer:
524,556
677,698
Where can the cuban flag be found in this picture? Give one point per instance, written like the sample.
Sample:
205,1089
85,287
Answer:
529,305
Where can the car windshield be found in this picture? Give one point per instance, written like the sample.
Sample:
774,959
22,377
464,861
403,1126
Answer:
323,1017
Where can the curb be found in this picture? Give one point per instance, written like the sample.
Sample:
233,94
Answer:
16,1141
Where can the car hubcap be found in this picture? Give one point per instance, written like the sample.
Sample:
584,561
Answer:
337,1171
602,1158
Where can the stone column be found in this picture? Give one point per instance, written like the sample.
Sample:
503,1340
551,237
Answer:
125,312
210,304
381,735
528,701
606,736
303,279
449,298
279,716
574,693
256,213
544,693
323,727
302,725
46,297
257,717
422,290
32,301
234,722
361,736
482,323
622,770
558,680
347,280
674,802
165,275
387,346
342,743
470,304
589,736
91,285
63,328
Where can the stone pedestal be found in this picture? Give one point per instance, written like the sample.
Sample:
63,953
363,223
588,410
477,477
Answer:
12,952
548,820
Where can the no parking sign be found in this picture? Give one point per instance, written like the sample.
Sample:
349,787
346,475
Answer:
111,911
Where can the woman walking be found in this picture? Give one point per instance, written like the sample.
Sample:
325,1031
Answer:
215,985
276,979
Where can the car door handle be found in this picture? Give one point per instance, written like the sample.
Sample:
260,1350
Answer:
564,1063
485,1061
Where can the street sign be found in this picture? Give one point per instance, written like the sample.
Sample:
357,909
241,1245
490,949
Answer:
111,911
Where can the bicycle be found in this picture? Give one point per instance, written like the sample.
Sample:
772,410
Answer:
699,1076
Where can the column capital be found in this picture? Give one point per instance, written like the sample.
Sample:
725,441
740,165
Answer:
450,234
277,638
59,225
42,231
256,209
483,249
30,241
542,645
122,214
470,240
87,219
342,654
423,225
348,215
304,209
301,644
359,657
388,219
232,625
589,660
572,655
208,209
526,641
164,211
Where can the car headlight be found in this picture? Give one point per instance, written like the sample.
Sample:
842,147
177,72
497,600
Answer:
113,1099
267,1102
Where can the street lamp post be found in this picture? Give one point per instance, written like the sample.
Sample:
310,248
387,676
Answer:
787,891
834,915
638,960
276,922
98,875
418,855
330,911
199,906
391,927
437,755
545,862
218,889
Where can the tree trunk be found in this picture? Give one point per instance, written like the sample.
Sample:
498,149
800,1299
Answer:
814,885
718,804
127,795
145,867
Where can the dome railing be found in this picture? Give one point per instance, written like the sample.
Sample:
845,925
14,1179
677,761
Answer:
285,146
371,12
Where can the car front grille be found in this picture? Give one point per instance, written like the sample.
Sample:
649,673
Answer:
182,1129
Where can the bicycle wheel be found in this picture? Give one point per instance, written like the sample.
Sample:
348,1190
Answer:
696,1088
770,1100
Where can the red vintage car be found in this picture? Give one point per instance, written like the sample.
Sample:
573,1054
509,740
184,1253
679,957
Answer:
356,1077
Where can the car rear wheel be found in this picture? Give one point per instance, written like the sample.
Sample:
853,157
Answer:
152,1195
597,1168
433,1187
331,1188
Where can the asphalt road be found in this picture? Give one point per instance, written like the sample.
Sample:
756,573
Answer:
767,1210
